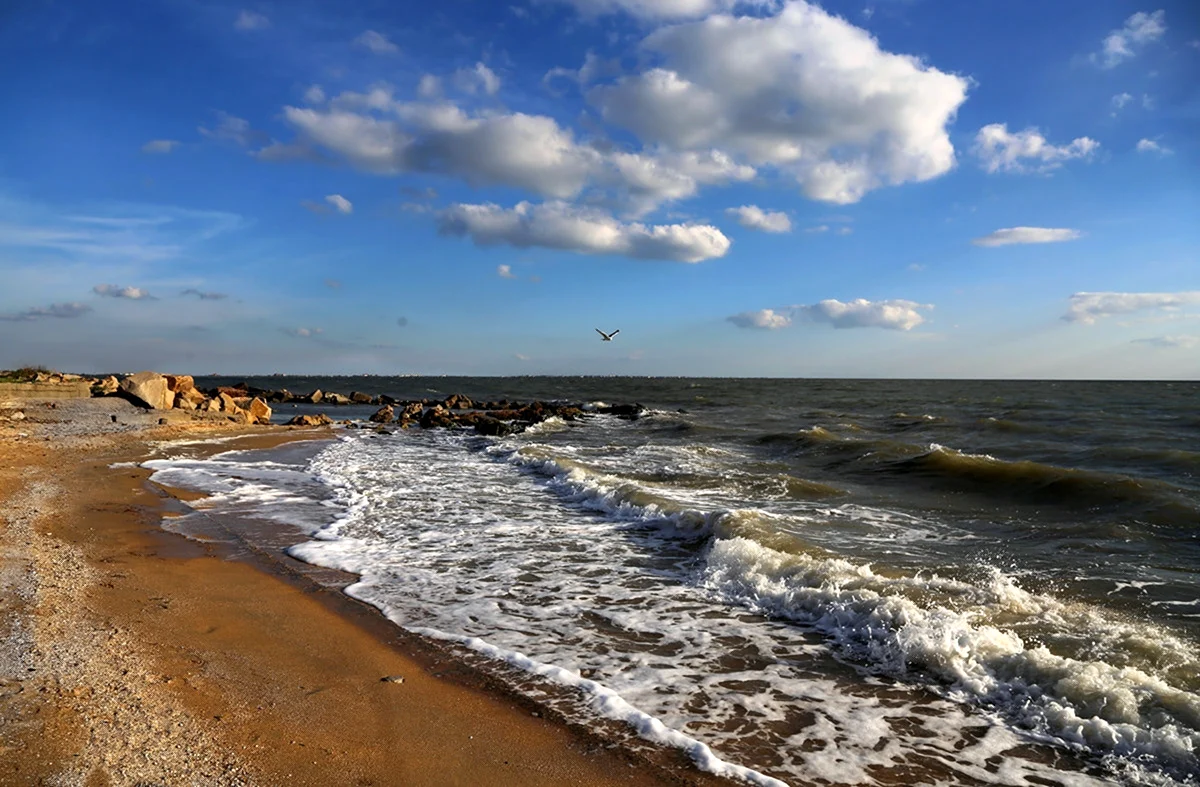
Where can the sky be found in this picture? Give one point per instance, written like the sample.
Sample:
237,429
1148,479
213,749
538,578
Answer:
851,188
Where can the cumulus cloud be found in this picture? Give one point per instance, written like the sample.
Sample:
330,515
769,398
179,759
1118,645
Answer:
302,333
1170,342
801,90
57,310
479,79
666,10
1087,307
160,146
377,43
340,203
505,272
763,319
1150,146
558,225
315,94
204,296
116,291
896,314
527,151
249,20
1016,235
1122,44
755,218
593,67
230,129
1026,151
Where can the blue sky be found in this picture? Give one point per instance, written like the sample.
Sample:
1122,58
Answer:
877,188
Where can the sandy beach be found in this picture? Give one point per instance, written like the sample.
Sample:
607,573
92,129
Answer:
132,655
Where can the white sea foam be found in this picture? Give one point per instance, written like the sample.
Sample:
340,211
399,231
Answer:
546,556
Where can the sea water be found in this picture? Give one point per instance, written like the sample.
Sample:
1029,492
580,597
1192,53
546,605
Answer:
846,582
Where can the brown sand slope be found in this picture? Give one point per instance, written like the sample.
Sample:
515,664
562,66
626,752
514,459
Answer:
133,656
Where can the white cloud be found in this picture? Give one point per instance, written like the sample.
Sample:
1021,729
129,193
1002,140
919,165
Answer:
896,314
303,333
116,291
593,67
755,218
526,151
520,357
801,90
1171,342
377,43
1026,151
477,79
1087,307
1150,146
56,310
315,95
654,9
1138,30
249,20
1119,101
429,86
899,315
558,225
845,230
340,203
230,128
1019,235
763,319
160,146
505,272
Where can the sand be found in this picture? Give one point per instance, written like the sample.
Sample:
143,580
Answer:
135,656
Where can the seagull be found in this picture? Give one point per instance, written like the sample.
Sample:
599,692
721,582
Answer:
607,336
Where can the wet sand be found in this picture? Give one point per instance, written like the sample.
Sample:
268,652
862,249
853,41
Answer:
132,655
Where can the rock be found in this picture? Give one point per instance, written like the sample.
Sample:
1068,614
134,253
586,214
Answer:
457,402
335,398
320,419
385,399
384,415
178,383
315,397
358,397
236,391
627,411
259,411
392,679
191,399
149,389
106,387
491,426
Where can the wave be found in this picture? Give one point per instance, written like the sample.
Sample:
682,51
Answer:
1032,481
963,637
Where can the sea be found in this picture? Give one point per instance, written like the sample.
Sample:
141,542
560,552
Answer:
795,582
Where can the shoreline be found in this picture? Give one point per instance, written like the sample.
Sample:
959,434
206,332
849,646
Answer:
138,654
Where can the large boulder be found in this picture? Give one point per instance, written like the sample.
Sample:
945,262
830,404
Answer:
149,389
315,397
358,397
320,419
179,383
335,398
492,426
259,411
384,415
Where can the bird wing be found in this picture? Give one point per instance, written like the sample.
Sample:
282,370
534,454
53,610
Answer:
614,333
602,333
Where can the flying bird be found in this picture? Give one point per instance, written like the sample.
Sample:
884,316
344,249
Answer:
607,336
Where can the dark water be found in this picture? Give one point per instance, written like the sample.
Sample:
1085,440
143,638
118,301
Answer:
1027,551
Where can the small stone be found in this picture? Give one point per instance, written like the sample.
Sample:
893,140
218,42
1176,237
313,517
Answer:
392,679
